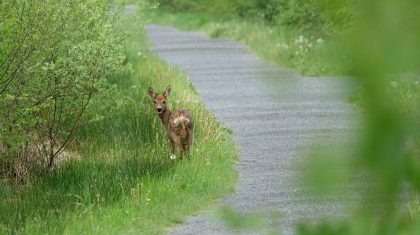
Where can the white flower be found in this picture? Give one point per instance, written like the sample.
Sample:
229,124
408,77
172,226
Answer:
319,41
310,45
173,157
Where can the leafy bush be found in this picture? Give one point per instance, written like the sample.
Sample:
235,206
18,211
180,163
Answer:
267,10
215,7
327,16
54,57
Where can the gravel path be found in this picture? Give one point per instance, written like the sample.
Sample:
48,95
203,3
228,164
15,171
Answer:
273,112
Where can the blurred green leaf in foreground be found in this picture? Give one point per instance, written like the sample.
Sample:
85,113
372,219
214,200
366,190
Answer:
384,58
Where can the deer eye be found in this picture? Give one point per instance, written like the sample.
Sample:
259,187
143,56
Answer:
164,102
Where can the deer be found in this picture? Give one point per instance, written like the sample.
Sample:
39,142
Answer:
179,124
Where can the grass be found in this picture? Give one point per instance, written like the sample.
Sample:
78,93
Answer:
124,182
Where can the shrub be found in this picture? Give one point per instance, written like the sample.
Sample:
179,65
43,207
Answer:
54,57
268,10
219,8
330,17
326,17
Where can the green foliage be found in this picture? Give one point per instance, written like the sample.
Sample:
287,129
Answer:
267,10
54,57
324,17
319,17
384,42
219,8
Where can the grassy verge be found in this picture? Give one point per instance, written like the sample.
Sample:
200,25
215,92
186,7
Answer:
122,181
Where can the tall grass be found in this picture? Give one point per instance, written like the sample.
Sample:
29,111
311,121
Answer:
119,178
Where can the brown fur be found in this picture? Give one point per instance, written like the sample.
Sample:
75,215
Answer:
179,124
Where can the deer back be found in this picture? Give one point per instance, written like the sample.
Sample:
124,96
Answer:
181,123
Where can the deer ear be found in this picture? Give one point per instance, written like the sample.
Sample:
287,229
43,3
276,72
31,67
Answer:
152,93
167,92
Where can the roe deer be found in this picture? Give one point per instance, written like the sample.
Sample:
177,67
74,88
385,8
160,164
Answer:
179,125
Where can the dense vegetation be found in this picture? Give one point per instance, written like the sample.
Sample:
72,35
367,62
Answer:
54,59
321,16
81,85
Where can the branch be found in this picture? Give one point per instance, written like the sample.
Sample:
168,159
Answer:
75,125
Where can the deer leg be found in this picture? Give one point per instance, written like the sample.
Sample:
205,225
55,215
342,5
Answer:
188,143
172,147
185,148
186,151
190,138
182,152
180,148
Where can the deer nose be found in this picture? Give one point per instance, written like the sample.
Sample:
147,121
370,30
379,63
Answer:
159,109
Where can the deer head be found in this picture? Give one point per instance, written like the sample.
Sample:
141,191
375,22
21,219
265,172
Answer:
160,100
